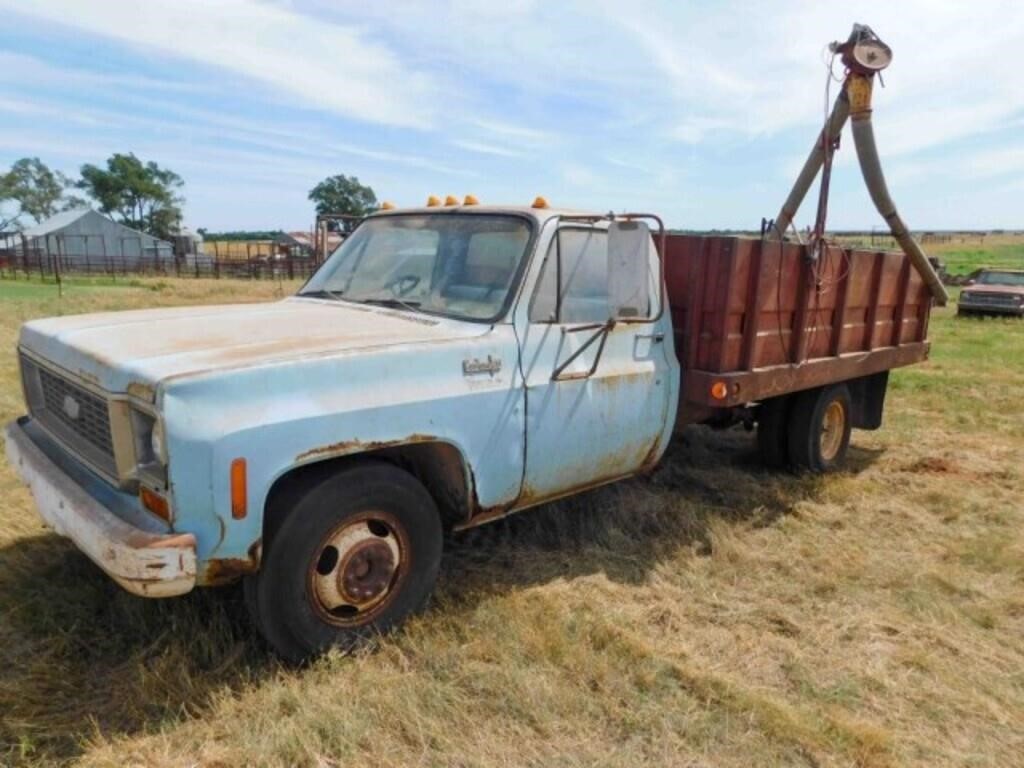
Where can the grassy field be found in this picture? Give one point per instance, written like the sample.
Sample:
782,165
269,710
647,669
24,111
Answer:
711,615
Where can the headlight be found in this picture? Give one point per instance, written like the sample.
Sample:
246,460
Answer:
149,439
156,441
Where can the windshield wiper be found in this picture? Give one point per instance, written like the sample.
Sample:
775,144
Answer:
394,303
323,293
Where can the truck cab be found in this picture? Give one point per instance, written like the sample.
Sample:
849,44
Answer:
446,366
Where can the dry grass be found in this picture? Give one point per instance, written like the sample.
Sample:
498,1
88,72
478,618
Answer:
713,614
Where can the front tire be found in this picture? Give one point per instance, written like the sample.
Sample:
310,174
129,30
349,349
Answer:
357,555
820,423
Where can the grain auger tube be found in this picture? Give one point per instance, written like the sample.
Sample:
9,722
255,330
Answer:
864,55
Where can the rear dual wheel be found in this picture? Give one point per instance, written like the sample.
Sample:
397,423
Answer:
358,554
808,431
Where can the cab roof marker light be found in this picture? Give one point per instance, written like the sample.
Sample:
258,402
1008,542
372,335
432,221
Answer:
387,205
433,201
471,200
539,202
451,200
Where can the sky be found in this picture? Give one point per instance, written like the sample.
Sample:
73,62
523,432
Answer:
699,111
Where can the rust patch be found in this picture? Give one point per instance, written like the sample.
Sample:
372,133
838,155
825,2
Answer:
346,447
225,570
88,376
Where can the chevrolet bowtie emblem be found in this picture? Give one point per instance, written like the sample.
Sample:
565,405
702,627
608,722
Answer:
71,407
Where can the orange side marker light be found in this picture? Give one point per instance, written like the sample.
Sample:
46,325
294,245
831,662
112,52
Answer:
239,492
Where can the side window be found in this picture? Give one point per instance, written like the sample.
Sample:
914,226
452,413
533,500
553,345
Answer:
584,255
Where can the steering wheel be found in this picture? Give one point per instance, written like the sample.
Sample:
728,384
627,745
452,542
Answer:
403,284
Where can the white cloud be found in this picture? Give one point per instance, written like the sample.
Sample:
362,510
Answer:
330,66
18,68
485,149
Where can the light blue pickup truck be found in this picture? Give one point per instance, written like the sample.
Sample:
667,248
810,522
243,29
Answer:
445,367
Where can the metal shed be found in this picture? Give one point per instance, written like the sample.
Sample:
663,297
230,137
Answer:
84,237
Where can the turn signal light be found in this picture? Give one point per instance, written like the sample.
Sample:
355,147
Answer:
239,492
155,503
719,390
539,202
433,201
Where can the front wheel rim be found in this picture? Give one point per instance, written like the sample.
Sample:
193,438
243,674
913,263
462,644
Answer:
358,569
833,429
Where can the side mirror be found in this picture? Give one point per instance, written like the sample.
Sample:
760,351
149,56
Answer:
629,271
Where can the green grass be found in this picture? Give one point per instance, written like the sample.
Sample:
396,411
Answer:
962,261
34,289
712,614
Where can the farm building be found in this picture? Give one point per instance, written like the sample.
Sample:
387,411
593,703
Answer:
305,242
84,236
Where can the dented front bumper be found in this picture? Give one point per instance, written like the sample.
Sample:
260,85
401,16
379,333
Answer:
145,563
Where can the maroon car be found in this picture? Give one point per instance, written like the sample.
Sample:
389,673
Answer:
993,291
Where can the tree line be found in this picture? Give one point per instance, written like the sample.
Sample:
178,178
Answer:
140,195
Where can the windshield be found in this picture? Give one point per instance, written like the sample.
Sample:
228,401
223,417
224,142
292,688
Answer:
1001,278
460,265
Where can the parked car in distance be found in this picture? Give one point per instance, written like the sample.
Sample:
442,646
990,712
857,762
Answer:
993,291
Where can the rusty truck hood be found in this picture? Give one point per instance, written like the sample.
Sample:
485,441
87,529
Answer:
119,351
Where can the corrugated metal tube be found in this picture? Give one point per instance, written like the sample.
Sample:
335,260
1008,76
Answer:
871,167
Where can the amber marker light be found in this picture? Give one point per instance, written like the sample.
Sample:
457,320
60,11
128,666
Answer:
239,493
539,202
451,200
433,201
387,205
719,390
470,200
155,503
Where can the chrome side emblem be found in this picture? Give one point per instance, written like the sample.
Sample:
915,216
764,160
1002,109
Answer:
491,365
71,407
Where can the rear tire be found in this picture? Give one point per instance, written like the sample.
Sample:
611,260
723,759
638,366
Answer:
357,555
820,423
773,432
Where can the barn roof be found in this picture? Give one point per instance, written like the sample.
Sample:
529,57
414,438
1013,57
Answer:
65,219
57,222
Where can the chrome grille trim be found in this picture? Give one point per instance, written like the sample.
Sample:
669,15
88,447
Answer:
77,417
992,299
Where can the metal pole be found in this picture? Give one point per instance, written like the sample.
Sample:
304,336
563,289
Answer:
827,138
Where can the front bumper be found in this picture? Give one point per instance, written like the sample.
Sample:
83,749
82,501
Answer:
143,562
990,308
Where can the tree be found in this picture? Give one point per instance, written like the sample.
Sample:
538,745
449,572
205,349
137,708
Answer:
38,191
343,194
141,195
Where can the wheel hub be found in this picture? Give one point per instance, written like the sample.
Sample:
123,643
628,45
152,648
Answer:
366,571
833,426
356,570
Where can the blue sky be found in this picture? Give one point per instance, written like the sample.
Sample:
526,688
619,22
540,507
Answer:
699,111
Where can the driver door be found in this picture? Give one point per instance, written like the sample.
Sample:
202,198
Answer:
600,393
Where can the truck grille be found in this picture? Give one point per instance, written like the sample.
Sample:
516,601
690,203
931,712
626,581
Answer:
76,416
992,299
